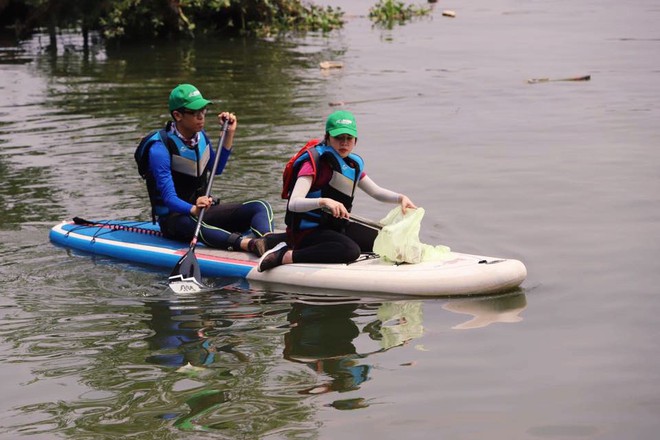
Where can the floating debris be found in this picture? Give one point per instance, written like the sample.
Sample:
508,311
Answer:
545,80
448,13
189,368
341,103
331,64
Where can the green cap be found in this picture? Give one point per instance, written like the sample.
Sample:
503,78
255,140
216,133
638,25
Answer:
341,122
187,95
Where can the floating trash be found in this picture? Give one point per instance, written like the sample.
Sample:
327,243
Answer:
331,64
545,80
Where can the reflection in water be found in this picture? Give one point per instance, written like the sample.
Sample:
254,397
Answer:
233,344
201,403
219,343
180,335
321,336
486,311
190,331
400,322
225,343
190,335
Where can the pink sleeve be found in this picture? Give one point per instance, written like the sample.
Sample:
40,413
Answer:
306,169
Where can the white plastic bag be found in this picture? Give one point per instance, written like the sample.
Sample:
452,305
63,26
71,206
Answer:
398,241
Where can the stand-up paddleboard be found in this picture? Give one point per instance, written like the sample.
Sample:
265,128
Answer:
143,243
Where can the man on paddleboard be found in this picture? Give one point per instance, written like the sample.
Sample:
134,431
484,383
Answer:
321,198
180,160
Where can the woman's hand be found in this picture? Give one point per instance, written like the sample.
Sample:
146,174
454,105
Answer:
406,203
202,202
334,207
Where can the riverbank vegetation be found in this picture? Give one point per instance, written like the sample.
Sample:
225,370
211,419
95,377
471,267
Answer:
139,20
132,20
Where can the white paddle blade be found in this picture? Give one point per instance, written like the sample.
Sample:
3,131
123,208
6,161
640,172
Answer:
181,285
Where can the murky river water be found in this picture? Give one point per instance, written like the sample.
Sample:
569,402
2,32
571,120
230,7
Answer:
561,175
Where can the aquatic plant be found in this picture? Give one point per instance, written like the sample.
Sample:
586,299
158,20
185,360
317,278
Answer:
387,13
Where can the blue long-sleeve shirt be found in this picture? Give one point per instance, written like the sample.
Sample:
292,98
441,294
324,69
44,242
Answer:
161,168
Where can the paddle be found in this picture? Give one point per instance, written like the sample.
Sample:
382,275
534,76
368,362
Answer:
365,222
186,277
360,220
545,80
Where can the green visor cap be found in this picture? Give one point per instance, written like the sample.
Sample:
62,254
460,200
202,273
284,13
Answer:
187,95
341,122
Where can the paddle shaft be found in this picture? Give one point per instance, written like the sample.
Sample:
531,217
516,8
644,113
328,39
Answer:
188,265
365,222
360,220
193,242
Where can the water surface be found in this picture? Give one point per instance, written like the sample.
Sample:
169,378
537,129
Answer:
561,175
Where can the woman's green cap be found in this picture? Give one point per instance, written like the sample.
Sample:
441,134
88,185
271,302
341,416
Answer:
341,122
187,96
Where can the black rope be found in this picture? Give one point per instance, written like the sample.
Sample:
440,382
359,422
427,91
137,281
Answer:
113,227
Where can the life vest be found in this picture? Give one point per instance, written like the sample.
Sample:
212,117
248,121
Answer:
346,174
189,168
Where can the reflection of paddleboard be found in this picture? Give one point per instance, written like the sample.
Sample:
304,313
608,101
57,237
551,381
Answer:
142,242
488,311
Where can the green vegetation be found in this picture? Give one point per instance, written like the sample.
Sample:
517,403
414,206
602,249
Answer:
133,19
387,13
130,20
138,20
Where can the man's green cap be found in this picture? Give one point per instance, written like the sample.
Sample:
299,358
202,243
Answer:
187,95
341,122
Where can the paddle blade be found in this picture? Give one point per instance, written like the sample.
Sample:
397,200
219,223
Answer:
182,285
186,277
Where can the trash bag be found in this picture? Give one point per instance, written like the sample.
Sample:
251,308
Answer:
398,241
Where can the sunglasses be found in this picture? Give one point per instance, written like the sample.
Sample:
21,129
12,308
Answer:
344,138
197,113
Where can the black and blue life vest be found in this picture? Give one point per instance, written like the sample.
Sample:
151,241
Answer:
346,174
189,168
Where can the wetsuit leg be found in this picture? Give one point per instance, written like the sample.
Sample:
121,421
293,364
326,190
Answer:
178,227
326,246
263,220
182,227
220,222
255,215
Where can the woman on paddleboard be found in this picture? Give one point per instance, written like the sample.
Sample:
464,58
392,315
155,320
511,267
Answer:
324,179
179,161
